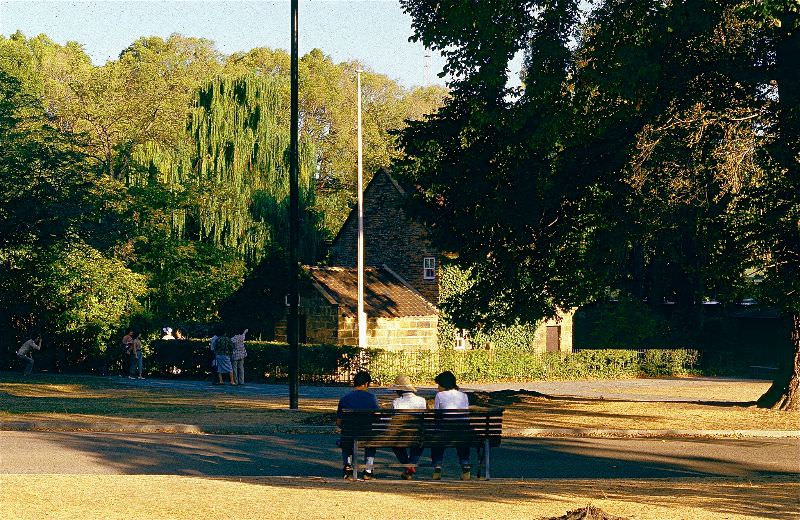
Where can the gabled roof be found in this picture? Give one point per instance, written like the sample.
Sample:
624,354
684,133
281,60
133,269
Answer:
354,211
386,295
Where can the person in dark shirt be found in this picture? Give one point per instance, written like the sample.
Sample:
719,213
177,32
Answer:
358,399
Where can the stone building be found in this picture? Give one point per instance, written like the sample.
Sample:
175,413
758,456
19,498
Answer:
401,287
398,317
390,238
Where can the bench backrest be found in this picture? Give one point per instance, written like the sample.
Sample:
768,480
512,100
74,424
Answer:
389,428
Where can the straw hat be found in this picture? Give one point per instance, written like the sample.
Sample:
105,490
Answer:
402,383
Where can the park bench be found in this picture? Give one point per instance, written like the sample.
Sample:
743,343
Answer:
477,427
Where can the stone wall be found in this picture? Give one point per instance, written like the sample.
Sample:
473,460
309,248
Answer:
325,324
390,238
407,333
321,319
565,322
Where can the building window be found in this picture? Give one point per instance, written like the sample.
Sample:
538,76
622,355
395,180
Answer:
462,340
429,268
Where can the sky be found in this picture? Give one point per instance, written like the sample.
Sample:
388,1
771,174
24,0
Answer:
374,32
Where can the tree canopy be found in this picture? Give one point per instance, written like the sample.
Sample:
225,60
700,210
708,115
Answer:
653,149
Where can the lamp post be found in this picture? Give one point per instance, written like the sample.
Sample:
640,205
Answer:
362,317
293,319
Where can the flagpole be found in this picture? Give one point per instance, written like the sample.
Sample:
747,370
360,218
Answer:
362,317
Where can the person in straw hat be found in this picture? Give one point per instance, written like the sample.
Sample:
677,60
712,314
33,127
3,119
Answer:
407,399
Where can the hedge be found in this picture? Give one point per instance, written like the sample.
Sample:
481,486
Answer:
519,365
268,361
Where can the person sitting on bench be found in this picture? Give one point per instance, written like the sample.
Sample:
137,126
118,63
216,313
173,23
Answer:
449,397
407,399
358,399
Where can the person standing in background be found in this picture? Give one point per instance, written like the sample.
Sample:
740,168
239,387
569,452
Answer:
214,371
25,353
137,357
223,349
237,357
127,348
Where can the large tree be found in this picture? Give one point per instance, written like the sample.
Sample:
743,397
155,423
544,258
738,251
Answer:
642,143
59,226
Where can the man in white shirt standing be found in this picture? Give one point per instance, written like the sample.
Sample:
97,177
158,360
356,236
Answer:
407,399
25,354
449,397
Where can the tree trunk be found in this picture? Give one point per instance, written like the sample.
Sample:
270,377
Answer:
784,394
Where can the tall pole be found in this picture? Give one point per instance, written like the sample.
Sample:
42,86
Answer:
293,318
362,317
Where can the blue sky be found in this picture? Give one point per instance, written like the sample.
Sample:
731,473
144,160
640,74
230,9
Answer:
374,32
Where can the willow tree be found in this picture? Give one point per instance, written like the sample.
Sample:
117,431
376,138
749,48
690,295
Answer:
234,162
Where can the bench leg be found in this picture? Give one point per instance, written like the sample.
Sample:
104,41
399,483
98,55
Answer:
481,461
486,454
355,459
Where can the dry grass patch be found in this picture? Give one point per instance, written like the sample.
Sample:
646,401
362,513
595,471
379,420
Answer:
82,402
84,405
112,497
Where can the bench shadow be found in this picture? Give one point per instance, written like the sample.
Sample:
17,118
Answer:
311,461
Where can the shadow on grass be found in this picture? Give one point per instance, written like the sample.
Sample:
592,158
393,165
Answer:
505,398
691,467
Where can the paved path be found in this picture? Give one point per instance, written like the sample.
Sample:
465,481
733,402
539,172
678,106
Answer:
316,455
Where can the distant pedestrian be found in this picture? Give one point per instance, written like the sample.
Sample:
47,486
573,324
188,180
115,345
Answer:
167,333
238,355
449,397
214,372
25,353
127,348
137,357
223,349
179,335
407,399
358,399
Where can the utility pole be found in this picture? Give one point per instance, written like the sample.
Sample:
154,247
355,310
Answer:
293,319
362,317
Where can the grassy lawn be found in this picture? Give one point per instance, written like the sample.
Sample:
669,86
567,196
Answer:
111,497
82,401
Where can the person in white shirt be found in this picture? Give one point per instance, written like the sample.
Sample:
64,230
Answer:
214,372
167,333
25,353
449,397
407,399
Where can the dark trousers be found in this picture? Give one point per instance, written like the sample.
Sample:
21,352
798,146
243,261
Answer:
408,455
347,454
28,364
437,455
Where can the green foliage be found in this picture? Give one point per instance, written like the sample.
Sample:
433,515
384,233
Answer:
58,276
653,150
454,282
327,100
327,363
523,365
258,303
622,323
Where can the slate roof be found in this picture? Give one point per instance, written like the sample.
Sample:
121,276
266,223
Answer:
386,295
